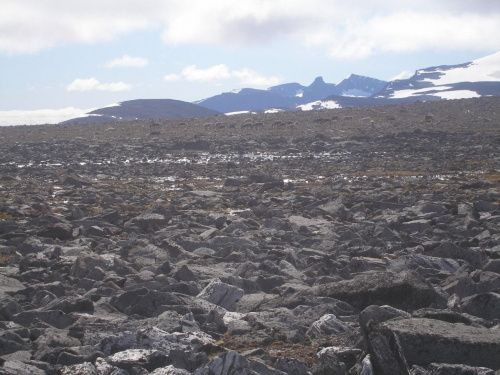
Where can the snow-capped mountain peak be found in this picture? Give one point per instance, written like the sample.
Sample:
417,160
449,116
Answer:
473,79
485,69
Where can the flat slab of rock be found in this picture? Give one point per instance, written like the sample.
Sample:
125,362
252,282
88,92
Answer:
406,290
426,341
8,284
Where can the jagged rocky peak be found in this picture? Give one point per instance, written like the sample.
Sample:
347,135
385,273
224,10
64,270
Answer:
318,81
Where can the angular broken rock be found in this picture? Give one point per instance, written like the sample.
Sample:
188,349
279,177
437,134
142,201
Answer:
424,341
327,325
222,294
148,221
485,305
406,290
230,363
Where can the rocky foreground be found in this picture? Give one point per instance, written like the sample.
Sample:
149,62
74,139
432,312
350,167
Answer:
295,243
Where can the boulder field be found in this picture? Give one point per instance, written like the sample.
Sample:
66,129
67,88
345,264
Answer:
296,246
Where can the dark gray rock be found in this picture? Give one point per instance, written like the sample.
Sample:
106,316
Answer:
486,305
230,363
424,341
54,318
8,307
149,221
10,285
86,263
61,231
76,181
406,290
447,369
475,257
221,294
20,368
378,314
70,304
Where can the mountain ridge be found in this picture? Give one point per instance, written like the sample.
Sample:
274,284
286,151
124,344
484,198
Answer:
290,95
480,77
141,109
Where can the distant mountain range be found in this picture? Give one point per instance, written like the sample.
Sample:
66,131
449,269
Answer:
478,78
291,95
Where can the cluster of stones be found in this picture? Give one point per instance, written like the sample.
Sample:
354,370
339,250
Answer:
105,271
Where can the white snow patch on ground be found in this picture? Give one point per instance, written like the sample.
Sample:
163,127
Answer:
329,104
405,74
41,116
113,105
407,93
356,93
237,113
486,69
458,94
273,110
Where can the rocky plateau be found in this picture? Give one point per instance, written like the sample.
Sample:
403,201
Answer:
345,241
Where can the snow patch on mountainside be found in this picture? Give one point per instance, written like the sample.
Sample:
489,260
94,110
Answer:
112,105
425,91
356,93
458,94
319,104
486,69
481,77
238,113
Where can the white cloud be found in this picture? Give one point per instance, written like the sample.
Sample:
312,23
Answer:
403,75
171,77
41,116
30,26
214,73
249,77
222,72
93,84
127,61
343,30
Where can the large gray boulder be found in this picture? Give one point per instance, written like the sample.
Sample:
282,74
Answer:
327,325
230,363
149,221
405,290
222,294
485,305
417,341
86,263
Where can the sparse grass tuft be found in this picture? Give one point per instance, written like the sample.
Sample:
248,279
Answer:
5,216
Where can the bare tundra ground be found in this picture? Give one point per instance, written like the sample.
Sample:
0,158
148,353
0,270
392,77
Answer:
347,241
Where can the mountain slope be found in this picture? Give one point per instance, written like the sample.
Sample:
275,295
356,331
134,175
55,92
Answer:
360,86
480,77
142,109
246,100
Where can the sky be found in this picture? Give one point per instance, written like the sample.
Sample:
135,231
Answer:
61,58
